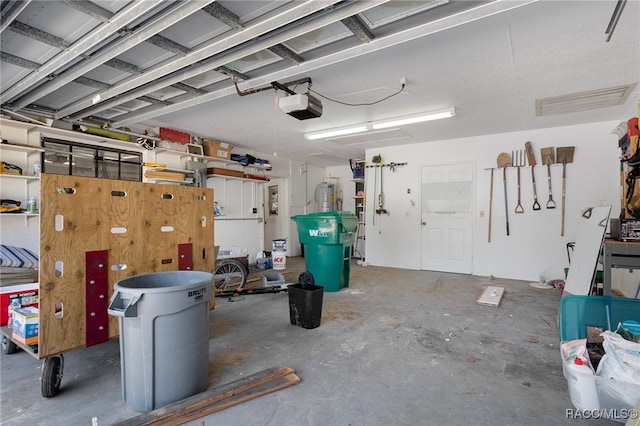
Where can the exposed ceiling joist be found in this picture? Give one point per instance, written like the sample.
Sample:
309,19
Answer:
128,14
166,44
21,62
189,89
232,73
249,33
286,53
107,56
36,34
91,9
223,14
123,66
334,15
359,28
468,15
12,13
92,83
154,101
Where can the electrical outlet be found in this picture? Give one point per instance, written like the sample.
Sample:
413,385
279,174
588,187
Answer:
255,210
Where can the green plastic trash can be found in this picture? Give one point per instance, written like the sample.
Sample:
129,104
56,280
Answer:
328,238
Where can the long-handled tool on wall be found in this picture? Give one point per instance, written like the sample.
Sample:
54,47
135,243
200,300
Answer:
504,161
381,209
490,204
531,158
377,161
518,162
564,156
548,158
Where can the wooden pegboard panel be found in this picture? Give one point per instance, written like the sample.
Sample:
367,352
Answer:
141,226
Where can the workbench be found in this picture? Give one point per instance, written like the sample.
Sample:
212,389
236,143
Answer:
619,254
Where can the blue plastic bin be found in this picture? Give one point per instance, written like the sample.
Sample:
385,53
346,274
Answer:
588,391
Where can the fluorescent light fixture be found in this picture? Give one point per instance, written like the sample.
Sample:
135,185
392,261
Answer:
414,118
382,124
324,134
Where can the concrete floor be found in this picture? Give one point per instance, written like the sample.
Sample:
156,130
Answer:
397,347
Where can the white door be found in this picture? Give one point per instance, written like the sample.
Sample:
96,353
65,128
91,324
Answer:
276,212
447,217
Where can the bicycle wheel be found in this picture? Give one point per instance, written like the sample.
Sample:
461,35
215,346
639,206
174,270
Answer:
229,275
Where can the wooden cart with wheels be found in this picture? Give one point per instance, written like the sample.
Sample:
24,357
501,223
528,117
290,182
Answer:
95,232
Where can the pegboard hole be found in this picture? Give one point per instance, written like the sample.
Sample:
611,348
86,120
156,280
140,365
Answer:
115,193
200,198
58,222
119,267
167,261
59,312
64,190
167,196
59,268
166,228
118,230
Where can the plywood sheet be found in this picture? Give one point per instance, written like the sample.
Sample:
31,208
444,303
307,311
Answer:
141,226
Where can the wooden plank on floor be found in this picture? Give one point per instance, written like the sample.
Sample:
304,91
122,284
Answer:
491,296
218,398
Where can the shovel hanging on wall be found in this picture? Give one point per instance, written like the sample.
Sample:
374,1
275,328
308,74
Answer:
564,156
531,158
548,158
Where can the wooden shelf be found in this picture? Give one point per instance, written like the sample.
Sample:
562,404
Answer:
214,159
167,169
71,134
164,180
19,177
20,148
237,178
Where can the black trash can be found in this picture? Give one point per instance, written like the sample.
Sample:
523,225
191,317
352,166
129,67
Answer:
305,304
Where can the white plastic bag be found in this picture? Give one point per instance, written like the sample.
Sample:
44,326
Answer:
621,361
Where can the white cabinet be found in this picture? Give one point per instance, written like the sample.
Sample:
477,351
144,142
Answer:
238,193
20,229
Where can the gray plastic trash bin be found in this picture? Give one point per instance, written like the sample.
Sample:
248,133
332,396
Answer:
164,336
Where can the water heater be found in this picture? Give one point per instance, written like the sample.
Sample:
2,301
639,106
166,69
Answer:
325,197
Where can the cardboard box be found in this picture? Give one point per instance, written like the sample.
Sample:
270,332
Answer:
27,295
25,326
217,149
224,172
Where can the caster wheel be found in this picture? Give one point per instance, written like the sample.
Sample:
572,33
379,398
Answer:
51,376
8,347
